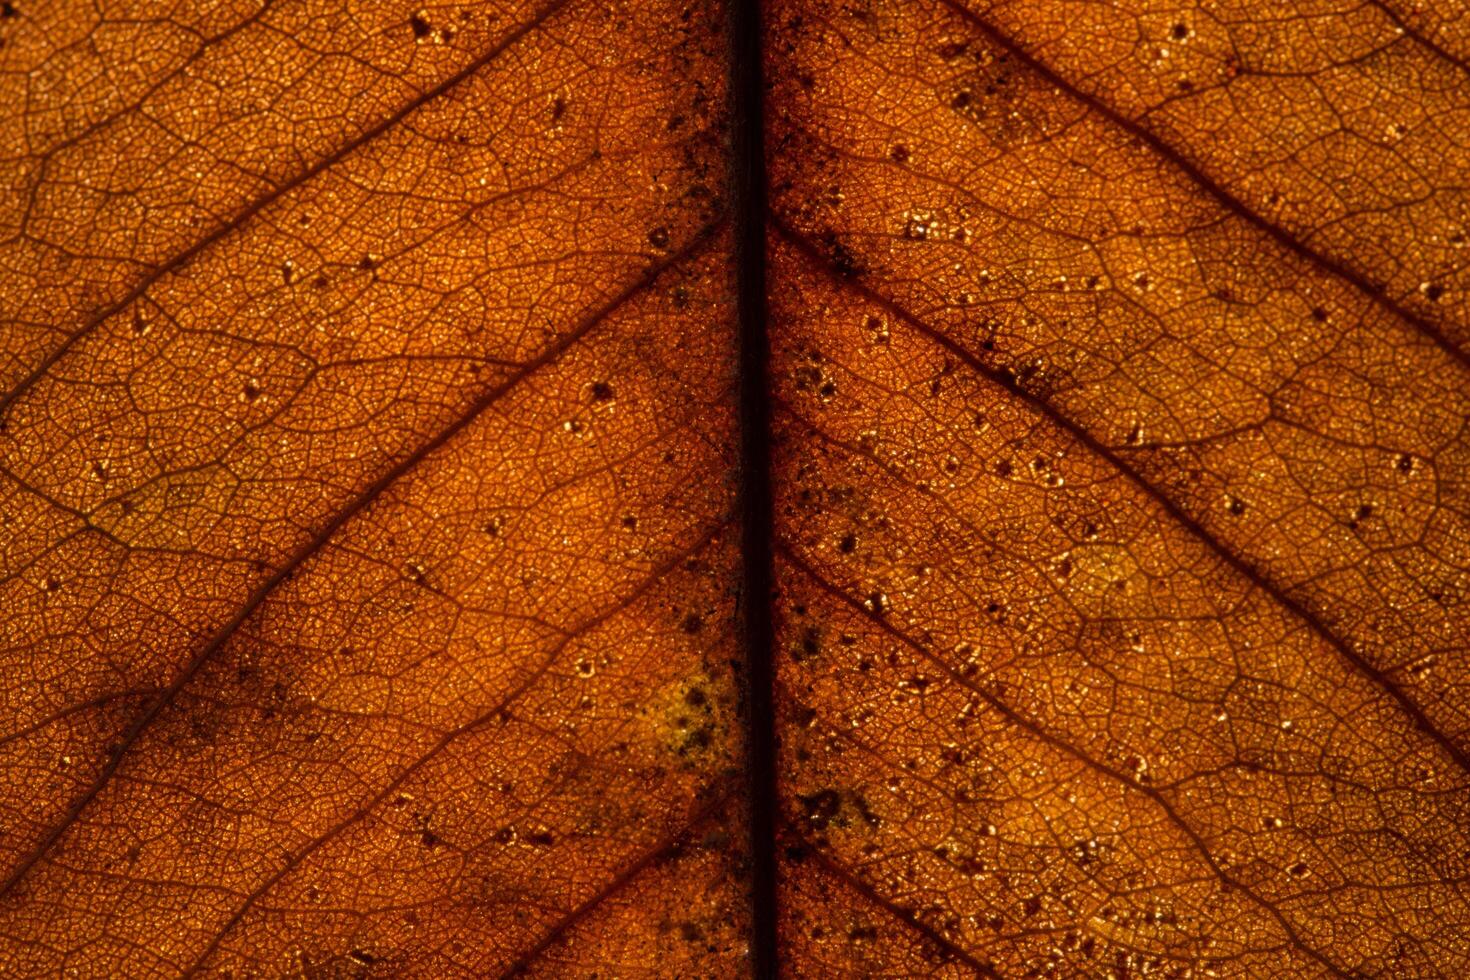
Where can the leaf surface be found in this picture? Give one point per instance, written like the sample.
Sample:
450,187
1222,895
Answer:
368,506
1120,490
453,528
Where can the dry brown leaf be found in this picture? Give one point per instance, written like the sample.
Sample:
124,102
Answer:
1121,489
367,491
404,417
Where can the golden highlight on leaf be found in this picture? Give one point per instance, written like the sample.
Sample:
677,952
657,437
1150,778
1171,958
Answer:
385,464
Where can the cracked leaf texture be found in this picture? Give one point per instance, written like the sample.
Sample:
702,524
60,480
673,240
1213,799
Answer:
371,470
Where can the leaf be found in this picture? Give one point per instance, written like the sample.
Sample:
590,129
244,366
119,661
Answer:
367,505
448,531
1120,508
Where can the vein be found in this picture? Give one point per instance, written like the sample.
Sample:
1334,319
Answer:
1196,173
1045,736
181,70
325,533
1419,37
853,883
1083,436
102,700
749,180
667,848
475,724
250,210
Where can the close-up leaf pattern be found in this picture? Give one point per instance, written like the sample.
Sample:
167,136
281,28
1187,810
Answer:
688,489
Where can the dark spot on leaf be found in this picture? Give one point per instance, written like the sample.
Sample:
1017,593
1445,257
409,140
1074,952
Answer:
820,808
844,262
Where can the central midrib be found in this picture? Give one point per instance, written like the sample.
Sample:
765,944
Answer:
748,175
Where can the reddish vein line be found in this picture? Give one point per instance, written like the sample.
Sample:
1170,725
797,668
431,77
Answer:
1041,734
484,718
1090,442
1194,172
906,916
224,229
305,552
